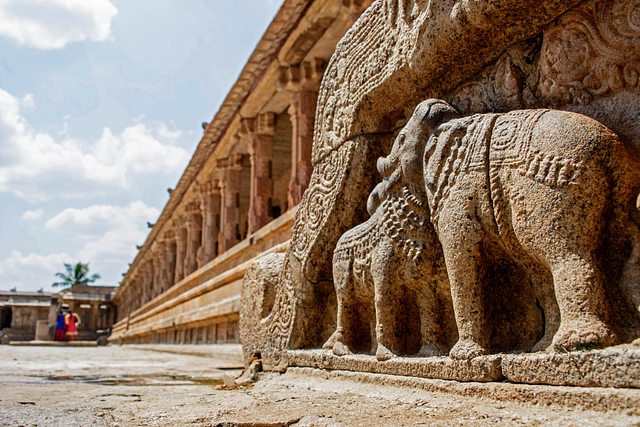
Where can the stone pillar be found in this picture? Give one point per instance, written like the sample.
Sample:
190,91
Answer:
131,299
260,132
170,258
302,82
95,315
194,233
141,291
181,248
210,207
159,267
231,168
140,288
137,297
301,111
142,284
156,270
148,280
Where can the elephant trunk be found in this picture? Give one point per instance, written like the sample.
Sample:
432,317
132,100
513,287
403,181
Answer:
385,167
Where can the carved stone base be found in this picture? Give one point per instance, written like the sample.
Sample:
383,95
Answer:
613,367
481,369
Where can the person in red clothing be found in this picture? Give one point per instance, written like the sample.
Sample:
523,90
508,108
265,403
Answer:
72,320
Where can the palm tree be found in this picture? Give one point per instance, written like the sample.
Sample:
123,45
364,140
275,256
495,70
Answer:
76,275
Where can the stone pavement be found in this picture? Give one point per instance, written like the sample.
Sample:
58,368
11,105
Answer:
139,386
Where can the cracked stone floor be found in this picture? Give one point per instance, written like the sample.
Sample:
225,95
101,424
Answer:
129,386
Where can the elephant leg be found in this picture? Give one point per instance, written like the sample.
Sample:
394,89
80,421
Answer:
374,338
630,281
460,244
542,282
581,299
430,328
384,324
344,294
383,273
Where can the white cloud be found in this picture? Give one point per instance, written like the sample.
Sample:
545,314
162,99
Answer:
31,272
120,216
27,101
164,132
37,167
112,232
52,24
110,235
31,215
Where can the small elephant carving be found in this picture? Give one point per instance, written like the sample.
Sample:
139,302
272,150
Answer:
396,250
549,188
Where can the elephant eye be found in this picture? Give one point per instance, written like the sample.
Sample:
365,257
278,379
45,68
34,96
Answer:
401,139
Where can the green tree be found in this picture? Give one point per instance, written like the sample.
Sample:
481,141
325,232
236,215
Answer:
77,274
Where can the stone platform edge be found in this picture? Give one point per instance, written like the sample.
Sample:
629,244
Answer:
480,369
615,367
611,367
54,343
596,399
227,354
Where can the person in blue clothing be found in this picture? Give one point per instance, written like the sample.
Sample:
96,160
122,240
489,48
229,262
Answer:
60,326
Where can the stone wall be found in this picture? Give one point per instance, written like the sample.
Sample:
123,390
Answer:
237,196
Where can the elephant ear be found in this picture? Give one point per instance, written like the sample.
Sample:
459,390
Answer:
437,132
434,112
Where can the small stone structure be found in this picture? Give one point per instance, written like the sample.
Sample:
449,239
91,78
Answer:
94,305
507,200
20,313
27,316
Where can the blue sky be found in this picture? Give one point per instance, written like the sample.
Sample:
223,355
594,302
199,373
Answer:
101,105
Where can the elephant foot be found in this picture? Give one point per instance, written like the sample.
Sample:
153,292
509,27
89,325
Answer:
583,337
467,349
383,353
341,349
336,344
543,345
336,336
430,350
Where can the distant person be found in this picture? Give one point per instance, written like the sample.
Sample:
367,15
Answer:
60,326
71,321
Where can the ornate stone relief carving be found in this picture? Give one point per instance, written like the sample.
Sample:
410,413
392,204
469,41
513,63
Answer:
536,210
496,186
394,55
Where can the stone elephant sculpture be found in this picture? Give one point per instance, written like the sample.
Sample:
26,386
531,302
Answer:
554,190
394,252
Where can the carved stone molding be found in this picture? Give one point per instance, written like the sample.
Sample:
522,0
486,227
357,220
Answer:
593,50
